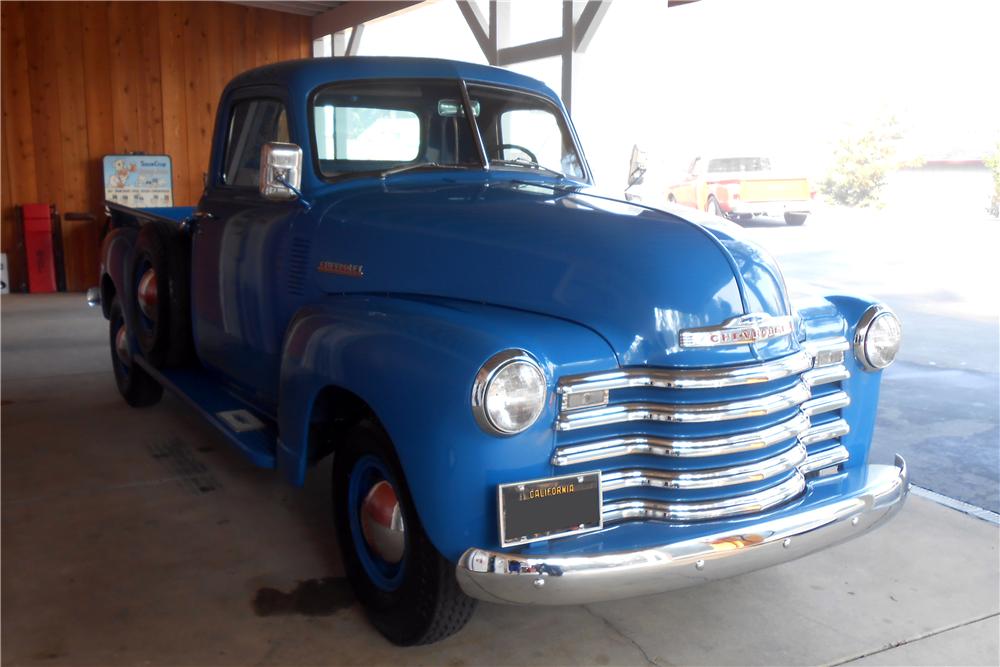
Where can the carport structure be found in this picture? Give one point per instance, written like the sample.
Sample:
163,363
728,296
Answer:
152,542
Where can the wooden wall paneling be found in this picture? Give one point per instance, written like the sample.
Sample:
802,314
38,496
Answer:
79,237
17,119
148,83
174,98
82,80
98,90
305,40
123,45
18,146
289,37
200,91
43,68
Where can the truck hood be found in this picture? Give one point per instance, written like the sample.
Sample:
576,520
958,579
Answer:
634,275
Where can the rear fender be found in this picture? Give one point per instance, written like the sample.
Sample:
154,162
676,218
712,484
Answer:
115,251
413,361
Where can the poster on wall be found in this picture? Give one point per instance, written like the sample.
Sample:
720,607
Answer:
142,181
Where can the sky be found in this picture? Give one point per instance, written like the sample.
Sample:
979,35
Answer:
782,77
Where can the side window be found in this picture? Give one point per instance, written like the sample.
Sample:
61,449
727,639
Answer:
538,131
252,124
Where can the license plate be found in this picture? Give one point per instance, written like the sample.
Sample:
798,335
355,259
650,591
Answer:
543,509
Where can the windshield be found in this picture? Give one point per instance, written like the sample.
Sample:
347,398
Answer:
521,130
375,126
739,164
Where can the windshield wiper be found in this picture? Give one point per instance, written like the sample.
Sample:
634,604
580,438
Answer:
529,165
420,165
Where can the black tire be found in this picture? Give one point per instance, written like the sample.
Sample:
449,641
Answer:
135,385
713,207
165,337
427,604
795,219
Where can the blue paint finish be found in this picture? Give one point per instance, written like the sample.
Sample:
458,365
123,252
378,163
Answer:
457,266
368,472
413,360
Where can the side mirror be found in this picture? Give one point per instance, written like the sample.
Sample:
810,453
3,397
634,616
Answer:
280,170
636,166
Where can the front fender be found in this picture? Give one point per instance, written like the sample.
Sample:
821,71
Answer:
837,316
413,361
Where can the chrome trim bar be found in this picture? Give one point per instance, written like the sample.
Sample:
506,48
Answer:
706,479
627,510
824,459
827,403
814,347
693,412
828,431
680,448
701,378
825,375
552,579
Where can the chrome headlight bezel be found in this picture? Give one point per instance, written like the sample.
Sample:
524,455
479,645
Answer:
868,318
488,373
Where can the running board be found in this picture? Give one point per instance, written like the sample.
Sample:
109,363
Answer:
253,434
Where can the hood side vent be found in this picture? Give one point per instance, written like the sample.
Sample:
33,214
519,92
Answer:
298,259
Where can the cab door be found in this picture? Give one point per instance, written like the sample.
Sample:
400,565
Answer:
686,192
236,247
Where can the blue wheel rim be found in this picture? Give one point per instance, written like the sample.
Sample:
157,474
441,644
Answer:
367,472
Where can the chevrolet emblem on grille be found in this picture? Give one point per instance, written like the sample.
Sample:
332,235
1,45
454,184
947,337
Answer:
741,330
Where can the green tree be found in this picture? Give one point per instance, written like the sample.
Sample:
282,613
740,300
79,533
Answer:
861,164
993,162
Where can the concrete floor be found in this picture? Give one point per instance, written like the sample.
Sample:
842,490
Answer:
140,537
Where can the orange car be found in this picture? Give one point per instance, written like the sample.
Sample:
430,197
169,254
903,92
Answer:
739,188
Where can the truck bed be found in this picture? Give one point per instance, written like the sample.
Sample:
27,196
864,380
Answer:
122,215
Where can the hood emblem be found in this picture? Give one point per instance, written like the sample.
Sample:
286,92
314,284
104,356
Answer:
337,268
741,330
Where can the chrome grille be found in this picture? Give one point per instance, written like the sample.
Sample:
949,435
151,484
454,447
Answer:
760,445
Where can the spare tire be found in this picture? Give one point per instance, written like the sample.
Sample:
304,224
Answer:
158,290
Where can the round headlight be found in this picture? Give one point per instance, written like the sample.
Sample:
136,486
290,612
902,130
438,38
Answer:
877,338
508,394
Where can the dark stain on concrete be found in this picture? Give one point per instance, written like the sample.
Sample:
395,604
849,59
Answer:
181,462
313,597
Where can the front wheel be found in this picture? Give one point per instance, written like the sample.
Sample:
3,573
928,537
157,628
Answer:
714,208
407,588
795,218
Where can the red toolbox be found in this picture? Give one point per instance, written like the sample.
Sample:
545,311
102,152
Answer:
38,247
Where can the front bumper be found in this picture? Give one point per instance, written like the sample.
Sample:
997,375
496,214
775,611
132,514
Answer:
774,209
551,580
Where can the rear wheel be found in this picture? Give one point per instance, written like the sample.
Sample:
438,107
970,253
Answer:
158,293
795,218
136,386
407,588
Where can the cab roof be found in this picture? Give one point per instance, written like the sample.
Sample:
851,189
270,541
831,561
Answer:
302,76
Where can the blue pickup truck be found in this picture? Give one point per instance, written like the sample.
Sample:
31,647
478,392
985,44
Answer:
533,393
